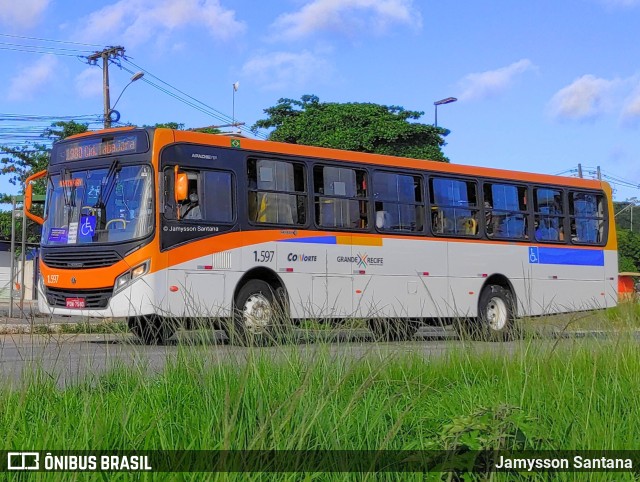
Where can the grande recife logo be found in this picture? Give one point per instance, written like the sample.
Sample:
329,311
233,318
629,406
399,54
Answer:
361,260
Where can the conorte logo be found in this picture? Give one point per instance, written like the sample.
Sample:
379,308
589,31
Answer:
23,461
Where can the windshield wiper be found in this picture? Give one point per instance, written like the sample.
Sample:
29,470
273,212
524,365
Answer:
66,175
108,184
105,191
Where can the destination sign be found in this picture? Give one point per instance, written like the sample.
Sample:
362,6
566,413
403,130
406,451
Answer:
99,147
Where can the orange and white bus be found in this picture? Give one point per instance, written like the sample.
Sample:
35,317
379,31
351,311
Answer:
159,225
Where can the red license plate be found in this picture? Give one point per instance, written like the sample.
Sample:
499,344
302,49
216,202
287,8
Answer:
75,303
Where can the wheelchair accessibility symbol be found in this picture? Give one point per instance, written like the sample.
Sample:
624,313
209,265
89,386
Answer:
533,255
87,227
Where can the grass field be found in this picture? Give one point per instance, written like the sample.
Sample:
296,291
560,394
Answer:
531,394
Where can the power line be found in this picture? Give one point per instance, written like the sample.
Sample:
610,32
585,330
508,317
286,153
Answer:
43,47
48,40
190,100
41,52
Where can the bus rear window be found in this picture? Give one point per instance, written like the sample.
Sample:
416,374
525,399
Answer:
586,214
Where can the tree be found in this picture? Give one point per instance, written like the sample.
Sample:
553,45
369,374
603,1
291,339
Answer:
354,126
180,127
20,162
628,250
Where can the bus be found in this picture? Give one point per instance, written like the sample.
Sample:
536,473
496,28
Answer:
164,227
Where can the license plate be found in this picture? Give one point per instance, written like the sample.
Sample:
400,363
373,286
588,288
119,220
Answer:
75,303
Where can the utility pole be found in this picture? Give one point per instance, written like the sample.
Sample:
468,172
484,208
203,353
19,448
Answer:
106,55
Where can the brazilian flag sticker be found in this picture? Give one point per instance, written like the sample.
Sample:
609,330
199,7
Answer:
235,143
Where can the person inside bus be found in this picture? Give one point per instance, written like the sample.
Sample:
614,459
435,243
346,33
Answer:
546,232
191,209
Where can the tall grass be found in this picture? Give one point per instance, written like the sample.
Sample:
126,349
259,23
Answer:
532,394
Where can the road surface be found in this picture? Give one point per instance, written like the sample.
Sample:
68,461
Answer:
70,358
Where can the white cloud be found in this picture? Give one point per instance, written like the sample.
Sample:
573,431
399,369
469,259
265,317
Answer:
482,85
345,16
631,108
136,21
89,83
23,13
279,70
32,79
586,98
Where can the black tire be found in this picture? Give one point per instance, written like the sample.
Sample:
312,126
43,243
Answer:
395,329
259,315
151,329
496,320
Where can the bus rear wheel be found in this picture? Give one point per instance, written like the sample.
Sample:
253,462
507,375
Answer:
259,315
151,329
495,315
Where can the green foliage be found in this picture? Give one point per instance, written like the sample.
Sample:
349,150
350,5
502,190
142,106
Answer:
628,251
626,213
180,127
363,127
20,162
168,125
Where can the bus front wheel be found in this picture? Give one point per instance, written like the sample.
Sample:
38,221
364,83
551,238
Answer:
258,314
495,315
151,329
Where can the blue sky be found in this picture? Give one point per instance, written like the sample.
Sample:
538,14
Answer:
542,86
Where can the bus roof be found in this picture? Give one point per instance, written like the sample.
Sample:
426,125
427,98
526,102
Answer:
270,147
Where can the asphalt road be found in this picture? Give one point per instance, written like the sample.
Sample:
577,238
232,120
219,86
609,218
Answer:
68,359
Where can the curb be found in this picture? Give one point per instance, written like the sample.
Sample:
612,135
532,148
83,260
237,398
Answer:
28,329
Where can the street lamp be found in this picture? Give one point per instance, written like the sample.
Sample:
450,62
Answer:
108,119
448,100
235,86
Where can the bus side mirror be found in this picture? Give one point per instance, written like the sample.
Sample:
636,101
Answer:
28,196
180,185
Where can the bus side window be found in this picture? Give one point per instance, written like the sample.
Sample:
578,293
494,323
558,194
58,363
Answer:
398,202
549,215
340,197
210,197
586,214
505,211
454,207
276,192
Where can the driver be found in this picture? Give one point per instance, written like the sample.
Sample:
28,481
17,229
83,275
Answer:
191,210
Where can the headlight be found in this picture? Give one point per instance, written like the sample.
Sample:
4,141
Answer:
126,278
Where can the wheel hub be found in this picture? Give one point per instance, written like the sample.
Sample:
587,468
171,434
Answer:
257,313
497,314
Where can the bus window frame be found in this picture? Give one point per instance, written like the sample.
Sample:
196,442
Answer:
185,168
430,175
604,218
564,217
527,213
256,156
423,204
367,169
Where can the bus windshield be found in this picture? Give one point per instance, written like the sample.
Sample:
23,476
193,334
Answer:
103,205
